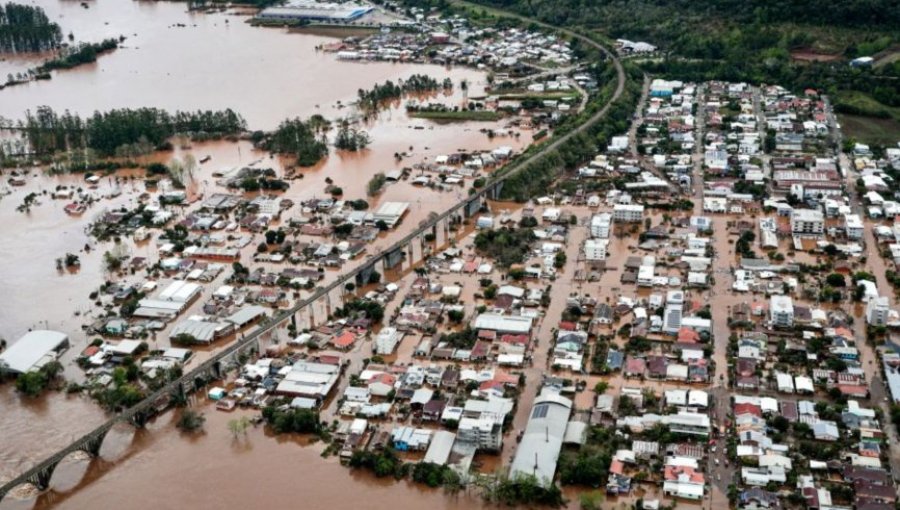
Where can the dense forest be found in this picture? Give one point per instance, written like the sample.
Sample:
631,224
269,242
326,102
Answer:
302,139
25,28
106,133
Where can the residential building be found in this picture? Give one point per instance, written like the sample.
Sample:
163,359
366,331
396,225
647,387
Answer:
807,222
596,249
781,311
877,311
629,213
853,225
600,225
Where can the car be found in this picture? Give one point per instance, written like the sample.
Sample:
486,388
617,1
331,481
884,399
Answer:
713,449
717,462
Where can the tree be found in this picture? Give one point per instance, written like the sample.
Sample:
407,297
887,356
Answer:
559,261
190,421
836,280
239,426
296,137
456,316
34,383
601,387
375,184
31,384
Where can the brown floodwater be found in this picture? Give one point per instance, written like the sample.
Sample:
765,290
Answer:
176,60
266,75
159,467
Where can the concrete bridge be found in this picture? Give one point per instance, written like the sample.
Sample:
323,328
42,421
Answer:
218,365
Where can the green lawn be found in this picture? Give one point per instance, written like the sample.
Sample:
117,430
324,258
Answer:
460,116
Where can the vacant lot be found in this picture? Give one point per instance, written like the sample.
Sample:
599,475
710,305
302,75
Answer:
871,130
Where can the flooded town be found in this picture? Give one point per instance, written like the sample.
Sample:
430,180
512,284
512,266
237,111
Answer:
410,254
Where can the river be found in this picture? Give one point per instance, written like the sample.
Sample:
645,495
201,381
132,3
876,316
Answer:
213,61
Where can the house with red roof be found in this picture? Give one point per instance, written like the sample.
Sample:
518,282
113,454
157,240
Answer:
683,482
344,341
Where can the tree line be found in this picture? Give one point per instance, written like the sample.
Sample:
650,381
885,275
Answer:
49,132
388,91
26,28
83,53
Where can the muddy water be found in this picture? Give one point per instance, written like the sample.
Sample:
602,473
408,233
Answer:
163,468
266,75
214,61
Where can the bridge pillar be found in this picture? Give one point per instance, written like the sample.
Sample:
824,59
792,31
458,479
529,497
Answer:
393,259
312,316
328,304
41,479
218,370
472,207
495,191
92,446
139,419
362,277
409,251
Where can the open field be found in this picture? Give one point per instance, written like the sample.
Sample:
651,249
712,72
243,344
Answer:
458,116
871,130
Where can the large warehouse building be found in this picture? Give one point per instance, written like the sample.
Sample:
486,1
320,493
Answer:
311,11
33,351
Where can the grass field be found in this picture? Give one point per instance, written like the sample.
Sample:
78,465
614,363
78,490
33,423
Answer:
460,116
871,130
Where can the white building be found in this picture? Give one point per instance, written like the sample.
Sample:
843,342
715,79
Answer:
781,311
807,221
34,350
390,213
646,275
673,313
538,451
854,226
596,249
628,212
600,225
387,341
877,311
